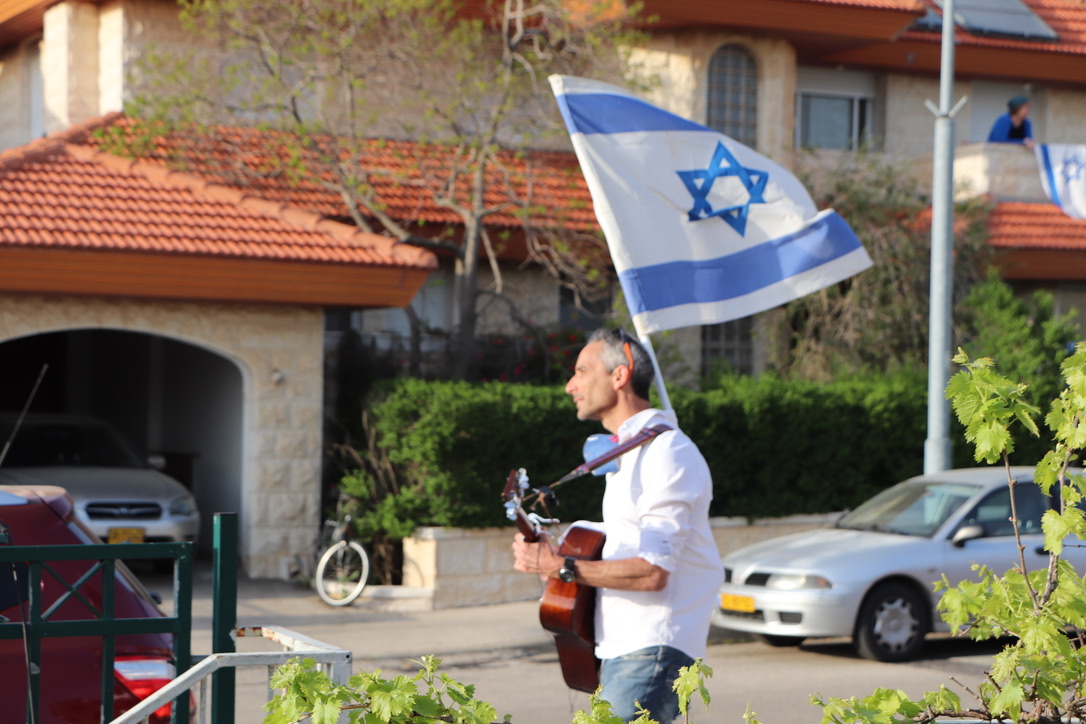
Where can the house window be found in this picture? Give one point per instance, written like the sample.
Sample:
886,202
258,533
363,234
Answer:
36,89
729,345
836,122
834,108
733,94
586,316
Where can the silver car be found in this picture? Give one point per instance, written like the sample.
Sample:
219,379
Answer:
117,494
870,576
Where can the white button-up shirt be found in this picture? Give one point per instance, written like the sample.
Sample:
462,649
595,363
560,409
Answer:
656,507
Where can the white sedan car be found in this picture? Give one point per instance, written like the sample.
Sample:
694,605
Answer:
871,576
118,494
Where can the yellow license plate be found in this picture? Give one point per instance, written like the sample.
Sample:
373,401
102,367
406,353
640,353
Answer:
125,535
728,602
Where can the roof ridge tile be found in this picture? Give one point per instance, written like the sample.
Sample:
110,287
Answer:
262,206
41,148
299,217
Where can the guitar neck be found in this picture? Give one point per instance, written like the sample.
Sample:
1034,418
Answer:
525,526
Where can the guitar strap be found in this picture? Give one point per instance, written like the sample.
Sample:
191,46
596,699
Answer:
642,437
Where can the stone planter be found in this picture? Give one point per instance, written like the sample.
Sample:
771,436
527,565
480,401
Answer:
452,567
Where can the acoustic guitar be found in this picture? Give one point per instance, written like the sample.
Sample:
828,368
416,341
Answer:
566,610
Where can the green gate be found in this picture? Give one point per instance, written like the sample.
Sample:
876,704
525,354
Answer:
100,621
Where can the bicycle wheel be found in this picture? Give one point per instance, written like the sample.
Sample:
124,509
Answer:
341,573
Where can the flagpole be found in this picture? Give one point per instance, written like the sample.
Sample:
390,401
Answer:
665,401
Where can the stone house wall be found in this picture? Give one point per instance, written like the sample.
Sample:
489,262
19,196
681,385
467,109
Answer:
279,353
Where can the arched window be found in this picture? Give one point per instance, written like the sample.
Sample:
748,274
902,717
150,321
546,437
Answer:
732,110
733,94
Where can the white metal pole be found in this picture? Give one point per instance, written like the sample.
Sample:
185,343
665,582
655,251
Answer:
937,444
665,401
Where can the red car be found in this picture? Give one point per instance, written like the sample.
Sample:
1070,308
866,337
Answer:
71,667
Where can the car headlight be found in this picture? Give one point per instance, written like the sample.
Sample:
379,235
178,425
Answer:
185,505
795,581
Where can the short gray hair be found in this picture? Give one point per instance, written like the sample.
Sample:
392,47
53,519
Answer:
614,354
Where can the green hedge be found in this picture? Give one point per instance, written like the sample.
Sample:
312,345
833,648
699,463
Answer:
775,447
779,447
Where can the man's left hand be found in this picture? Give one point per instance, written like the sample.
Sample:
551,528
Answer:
538,557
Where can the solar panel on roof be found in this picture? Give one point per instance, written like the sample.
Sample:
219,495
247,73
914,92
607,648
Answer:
1008,18
931,21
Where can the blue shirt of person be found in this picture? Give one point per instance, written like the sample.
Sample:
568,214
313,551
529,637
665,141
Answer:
1013,126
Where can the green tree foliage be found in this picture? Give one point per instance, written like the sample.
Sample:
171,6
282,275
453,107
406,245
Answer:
1024,333
1027,337
877,320
428,697
1041,675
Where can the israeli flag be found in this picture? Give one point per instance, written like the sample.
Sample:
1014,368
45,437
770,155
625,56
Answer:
1063,174
701,229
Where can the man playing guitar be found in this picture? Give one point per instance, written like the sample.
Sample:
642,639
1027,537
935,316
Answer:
657,580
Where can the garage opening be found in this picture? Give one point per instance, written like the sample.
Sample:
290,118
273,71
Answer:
175,400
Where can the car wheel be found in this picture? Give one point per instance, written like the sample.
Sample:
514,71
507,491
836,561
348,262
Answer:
892,624
781,641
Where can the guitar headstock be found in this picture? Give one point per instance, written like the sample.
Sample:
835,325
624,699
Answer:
516,485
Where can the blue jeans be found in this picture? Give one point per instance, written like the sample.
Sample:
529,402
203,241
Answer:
644,676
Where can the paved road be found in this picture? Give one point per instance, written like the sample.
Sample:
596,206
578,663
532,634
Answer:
503,651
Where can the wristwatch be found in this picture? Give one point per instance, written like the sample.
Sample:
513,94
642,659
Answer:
568,571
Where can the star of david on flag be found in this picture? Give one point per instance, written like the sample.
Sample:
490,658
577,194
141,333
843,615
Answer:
700,182
701,229
1063,175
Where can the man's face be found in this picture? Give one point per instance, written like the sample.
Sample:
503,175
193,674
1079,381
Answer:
592,386
1021,113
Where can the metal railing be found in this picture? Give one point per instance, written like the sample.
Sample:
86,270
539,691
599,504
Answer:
335,661
33,563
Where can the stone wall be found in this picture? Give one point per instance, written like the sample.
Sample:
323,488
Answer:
1004,171
680,61
17,72
278,351
451,567
907,122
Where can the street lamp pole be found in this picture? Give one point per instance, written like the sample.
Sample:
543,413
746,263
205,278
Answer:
937,444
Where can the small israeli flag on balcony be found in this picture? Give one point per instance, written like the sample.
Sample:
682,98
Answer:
1063,174
701,229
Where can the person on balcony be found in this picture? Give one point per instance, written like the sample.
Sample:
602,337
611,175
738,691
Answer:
1013,126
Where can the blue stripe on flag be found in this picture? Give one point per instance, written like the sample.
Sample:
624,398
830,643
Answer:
1053,190
666,285
590,113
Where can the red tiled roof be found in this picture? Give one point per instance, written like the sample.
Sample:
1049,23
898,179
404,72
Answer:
1023,225
56,193
407,177
908,5
1037,243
